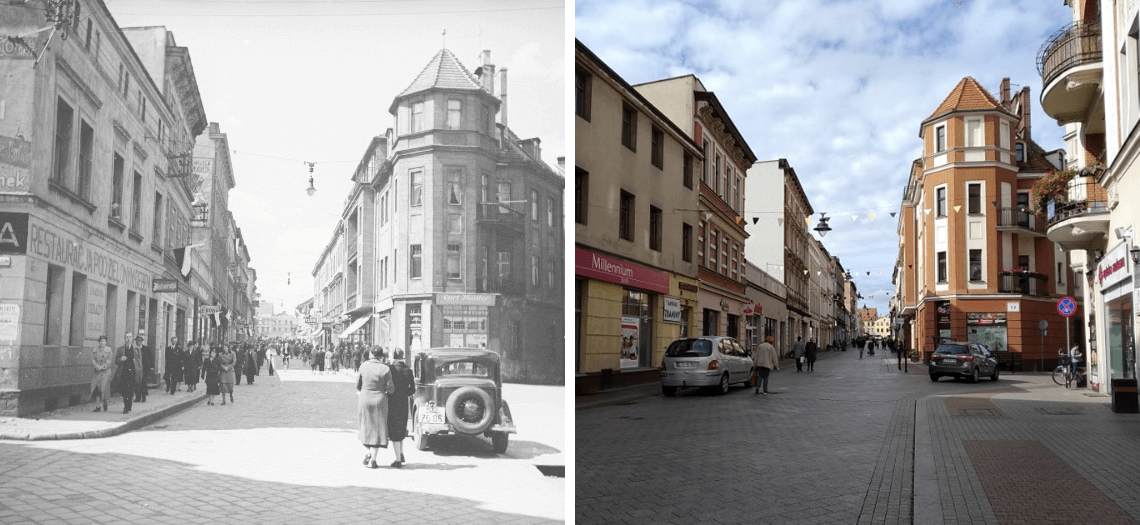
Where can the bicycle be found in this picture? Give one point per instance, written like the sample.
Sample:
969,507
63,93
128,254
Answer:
1063,374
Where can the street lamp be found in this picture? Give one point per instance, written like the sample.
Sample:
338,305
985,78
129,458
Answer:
311,190
822,228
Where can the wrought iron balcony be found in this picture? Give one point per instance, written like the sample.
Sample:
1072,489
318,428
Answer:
1085,196
1019,219
1074,45
1025,283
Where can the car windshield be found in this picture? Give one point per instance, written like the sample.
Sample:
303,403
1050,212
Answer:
689,348
463,368
952,349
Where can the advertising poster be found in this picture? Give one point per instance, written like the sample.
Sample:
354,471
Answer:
629,342
988,329
9,323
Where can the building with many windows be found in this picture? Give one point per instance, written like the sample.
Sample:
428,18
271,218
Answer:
637,213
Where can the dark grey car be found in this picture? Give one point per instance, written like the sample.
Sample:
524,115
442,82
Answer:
965,360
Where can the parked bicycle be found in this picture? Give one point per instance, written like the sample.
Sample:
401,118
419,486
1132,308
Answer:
1067,371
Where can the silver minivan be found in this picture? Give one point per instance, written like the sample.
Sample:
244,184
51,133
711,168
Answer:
708,361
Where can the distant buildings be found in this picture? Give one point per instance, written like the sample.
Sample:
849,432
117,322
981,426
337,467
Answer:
98,192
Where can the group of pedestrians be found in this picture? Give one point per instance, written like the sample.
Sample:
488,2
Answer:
804,353
383,389
123,371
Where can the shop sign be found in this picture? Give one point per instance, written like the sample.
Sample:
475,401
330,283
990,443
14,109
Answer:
9,323
209,310
603,268
57,246
672,313
13,233
1114,267
163,285
15,161
465,299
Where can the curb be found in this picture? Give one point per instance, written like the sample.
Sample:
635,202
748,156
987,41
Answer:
126,426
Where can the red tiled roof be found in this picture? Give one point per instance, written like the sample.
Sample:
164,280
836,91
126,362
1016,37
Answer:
968,94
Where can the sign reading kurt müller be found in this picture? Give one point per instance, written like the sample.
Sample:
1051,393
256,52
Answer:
604,268
466,299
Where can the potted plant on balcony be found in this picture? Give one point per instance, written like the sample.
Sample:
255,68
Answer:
1054,186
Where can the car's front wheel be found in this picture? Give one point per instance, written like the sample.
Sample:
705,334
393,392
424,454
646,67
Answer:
669,391
934,377
499,440
994,376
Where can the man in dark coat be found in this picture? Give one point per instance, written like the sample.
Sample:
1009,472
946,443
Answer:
173,374
260,358
239,364
127,376
810,351
147,367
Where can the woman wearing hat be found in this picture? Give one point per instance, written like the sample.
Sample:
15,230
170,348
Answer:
405,384
103,358
373,384
226,363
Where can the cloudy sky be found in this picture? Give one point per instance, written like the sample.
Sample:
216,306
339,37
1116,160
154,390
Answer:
836,87
291,81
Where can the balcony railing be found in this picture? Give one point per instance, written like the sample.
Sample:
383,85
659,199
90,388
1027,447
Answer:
1085,196
1025,283
1017,218
1071,46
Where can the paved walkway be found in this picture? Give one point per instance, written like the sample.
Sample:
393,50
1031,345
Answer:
859,442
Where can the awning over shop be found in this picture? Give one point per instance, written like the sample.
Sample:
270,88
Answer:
354,326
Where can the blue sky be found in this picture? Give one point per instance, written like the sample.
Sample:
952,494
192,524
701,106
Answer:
838,88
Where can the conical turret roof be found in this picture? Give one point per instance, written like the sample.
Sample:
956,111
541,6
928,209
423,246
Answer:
443,72
967,95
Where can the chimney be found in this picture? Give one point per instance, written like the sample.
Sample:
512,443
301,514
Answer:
562,163
486,72
1026,105
503,97
1005,92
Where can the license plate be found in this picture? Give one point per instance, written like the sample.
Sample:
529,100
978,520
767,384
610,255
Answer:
949,361
431,416
685,364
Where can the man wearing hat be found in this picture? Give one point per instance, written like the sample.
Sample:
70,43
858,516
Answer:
147,356
129,361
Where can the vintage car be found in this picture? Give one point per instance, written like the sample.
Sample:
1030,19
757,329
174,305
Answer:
459,390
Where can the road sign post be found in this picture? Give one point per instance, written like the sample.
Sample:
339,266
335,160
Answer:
1066,306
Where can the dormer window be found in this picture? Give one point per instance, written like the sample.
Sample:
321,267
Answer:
1020,149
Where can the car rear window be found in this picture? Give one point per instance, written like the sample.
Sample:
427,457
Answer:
463,368
952,349
689,348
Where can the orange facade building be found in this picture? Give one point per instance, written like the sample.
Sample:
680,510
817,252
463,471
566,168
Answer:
974,262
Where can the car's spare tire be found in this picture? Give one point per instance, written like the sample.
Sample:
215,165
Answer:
470,410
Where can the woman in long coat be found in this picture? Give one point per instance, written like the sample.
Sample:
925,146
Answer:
212,372
226,362
405,383
103,358
192,366
250,366
373,384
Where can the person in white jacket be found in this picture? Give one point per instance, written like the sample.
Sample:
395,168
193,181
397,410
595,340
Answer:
765,359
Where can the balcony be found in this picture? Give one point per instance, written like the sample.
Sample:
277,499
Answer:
1080,219
1024,283
1017,220
1071,66
501,215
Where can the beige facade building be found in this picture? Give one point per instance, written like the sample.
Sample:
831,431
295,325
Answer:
637,216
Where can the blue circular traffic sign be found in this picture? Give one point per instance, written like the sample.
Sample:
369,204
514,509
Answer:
1066,306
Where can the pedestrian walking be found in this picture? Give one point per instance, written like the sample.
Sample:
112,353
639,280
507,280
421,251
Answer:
270,356
405,386
260,358
239,362
810,351
357,355
373,384
798,351
173,374
192,366
226,377
212,373
129,372
103,359
147,368
250,366
765,360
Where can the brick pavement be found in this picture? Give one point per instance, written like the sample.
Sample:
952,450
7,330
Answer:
857,442
282,452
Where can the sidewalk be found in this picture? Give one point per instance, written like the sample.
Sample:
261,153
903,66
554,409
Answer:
82,422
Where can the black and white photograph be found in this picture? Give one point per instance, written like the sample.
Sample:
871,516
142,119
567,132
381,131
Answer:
283,261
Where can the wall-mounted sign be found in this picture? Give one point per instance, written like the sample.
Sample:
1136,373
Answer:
1113,268
163,285
13,233
465,299
605,268
672,312
209,309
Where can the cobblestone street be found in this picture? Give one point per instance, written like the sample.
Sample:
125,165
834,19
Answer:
858,441
286,451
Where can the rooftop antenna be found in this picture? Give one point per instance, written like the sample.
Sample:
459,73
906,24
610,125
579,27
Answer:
445,38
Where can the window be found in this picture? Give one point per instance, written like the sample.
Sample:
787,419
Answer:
713,247
64,118
550,274
974,198
940,138
711,322
86,138
417,117
582,94
487,119
156,232
455,186
657,148
625,224
550,211
974,133
975,265
534,270
716,177
534,205
940,201
581,194
78,326
87,40
504,195
454,113
453,261
53,306
687,171
738,194
686,242
941,267
117,188
142,105
136,203
701,243
655,220
733,326
735,256
724,254
416,198
628,127
503,265
706,175
416,261
1020,148
724,184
